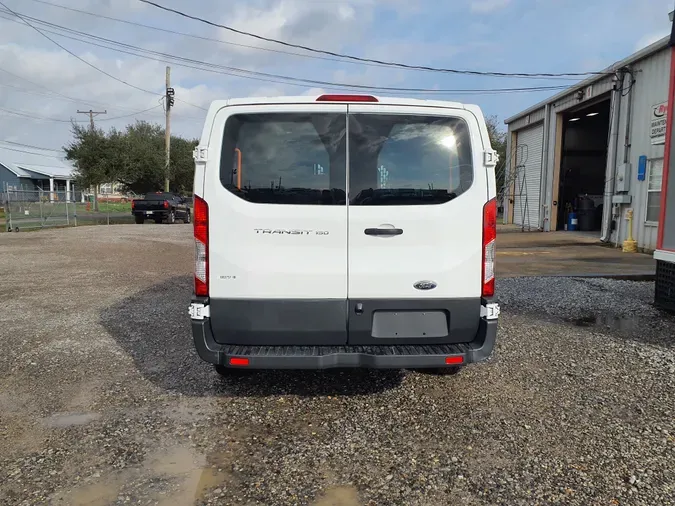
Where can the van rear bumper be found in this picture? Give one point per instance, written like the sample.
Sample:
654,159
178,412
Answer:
477,348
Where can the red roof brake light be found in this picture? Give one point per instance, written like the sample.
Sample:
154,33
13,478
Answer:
346,98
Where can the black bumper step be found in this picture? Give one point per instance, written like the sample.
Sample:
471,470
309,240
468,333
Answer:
322,351
327,357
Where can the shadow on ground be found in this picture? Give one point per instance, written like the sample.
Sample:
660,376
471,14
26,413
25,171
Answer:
153,327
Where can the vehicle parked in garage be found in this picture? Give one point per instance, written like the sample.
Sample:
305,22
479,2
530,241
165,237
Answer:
344,231
161,207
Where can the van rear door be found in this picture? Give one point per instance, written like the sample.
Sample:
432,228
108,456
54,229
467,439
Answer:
275,185
417,187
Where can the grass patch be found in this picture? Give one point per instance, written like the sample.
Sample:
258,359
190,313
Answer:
104,207
31,216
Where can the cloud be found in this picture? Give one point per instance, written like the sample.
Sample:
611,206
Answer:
485,6
426,33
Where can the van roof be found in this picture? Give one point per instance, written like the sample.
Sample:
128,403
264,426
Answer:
308,99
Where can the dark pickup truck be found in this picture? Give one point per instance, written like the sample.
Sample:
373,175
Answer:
161,207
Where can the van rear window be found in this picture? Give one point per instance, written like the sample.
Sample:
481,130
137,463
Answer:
301,159
286,158
159,196
408,160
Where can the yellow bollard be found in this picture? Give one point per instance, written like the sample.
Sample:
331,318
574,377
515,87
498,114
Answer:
630,244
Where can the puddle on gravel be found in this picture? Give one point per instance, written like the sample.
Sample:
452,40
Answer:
180,476
190,469
100,493
623,323
341,496
65,420
96,494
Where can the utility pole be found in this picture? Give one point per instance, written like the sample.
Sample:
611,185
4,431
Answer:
91,114
167,133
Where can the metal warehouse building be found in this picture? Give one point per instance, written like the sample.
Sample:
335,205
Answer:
582,158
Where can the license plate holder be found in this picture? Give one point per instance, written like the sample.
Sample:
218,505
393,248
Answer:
410,324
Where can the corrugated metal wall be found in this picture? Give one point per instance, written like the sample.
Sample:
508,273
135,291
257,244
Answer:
591,92
525,121
526,199
650,89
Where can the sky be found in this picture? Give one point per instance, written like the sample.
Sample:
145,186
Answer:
44,86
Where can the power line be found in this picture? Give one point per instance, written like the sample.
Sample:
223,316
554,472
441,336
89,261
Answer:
29,146
70,99
29,153
230,43
58,120
130,115
54,96
209,39
76,56
370,60
193,105
282,79
32,116
264,76
51,92
23,18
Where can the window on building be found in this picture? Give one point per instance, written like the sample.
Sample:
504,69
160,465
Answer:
654,190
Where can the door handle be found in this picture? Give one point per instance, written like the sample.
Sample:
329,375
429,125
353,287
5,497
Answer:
383,231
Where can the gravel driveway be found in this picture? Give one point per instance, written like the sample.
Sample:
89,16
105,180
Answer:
103,400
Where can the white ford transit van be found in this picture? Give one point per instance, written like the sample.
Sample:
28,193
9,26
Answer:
344,231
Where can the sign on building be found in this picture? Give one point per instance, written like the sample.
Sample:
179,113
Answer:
658,123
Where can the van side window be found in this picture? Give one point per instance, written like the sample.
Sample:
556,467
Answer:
408,160
281,158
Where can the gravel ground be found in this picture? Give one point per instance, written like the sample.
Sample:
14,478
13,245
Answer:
103,400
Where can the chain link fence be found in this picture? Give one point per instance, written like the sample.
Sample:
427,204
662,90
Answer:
38,209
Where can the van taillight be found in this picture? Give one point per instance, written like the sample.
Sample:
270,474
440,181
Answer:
201,232
166,204
133,205
489,247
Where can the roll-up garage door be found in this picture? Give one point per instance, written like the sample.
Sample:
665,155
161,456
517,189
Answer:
527,187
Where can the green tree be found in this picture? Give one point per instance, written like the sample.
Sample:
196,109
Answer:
182,164
134,157
145,152
89,151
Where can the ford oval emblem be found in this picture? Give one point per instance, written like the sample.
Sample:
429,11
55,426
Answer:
425,285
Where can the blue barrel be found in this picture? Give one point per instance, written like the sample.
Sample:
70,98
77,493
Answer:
572,221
